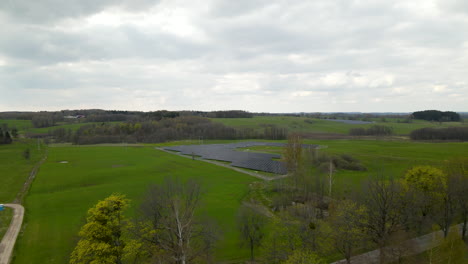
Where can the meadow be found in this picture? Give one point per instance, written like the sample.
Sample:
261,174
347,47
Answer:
19,124
74,178
388,158
15,168
14,171
314,125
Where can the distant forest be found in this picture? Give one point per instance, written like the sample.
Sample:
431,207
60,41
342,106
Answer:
435,115
103,126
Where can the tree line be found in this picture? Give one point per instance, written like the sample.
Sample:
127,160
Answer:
449,133
436,115
177,128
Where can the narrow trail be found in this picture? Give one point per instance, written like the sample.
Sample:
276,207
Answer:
253,174
410,247
9,240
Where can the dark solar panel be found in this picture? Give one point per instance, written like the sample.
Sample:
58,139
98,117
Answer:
249,160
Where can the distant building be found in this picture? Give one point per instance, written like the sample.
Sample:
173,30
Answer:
74,116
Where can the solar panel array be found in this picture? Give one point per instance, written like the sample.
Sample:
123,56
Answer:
226,152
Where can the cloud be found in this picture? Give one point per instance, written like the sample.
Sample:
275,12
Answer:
278,56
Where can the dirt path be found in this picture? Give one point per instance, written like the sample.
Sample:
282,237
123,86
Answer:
9,240
408,248
256,175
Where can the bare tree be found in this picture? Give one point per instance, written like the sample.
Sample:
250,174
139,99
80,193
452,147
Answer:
384,211
251,226
168,224
292,156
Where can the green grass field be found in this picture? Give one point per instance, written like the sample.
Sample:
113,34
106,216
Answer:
390,158
19,124
14,168
5,219
313,125
62,193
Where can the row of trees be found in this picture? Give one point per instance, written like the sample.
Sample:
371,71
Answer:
435,115
449,133
183,127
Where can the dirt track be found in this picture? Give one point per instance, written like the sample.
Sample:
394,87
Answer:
8,241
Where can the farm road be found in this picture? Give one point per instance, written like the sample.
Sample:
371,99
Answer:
410,247
8,241
256,175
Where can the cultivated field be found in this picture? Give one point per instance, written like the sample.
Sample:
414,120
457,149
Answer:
74,178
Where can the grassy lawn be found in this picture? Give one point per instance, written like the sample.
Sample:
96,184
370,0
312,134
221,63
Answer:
5,219
14,168
313,125
63,192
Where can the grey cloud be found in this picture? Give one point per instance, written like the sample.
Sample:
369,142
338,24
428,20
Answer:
45,11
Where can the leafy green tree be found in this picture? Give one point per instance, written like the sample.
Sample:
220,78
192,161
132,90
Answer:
425,187
348,221
101,237
281,241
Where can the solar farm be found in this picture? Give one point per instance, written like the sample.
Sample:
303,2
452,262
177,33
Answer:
227,152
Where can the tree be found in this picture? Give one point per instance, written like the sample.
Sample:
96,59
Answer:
7,138
348,221
457,170
14,132
293,153
384,211
281,241
432,195
168,225
101,237
251,226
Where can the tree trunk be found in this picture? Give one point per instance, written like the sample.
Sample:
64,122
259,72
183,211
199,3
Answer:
251,250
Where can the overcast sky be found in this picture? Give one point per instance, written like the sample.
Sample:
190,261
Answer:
255,55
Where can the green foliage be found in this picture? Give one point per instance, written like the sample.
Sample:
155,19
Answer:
427,179
282,239
303,257
449,250
101,239
347,221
